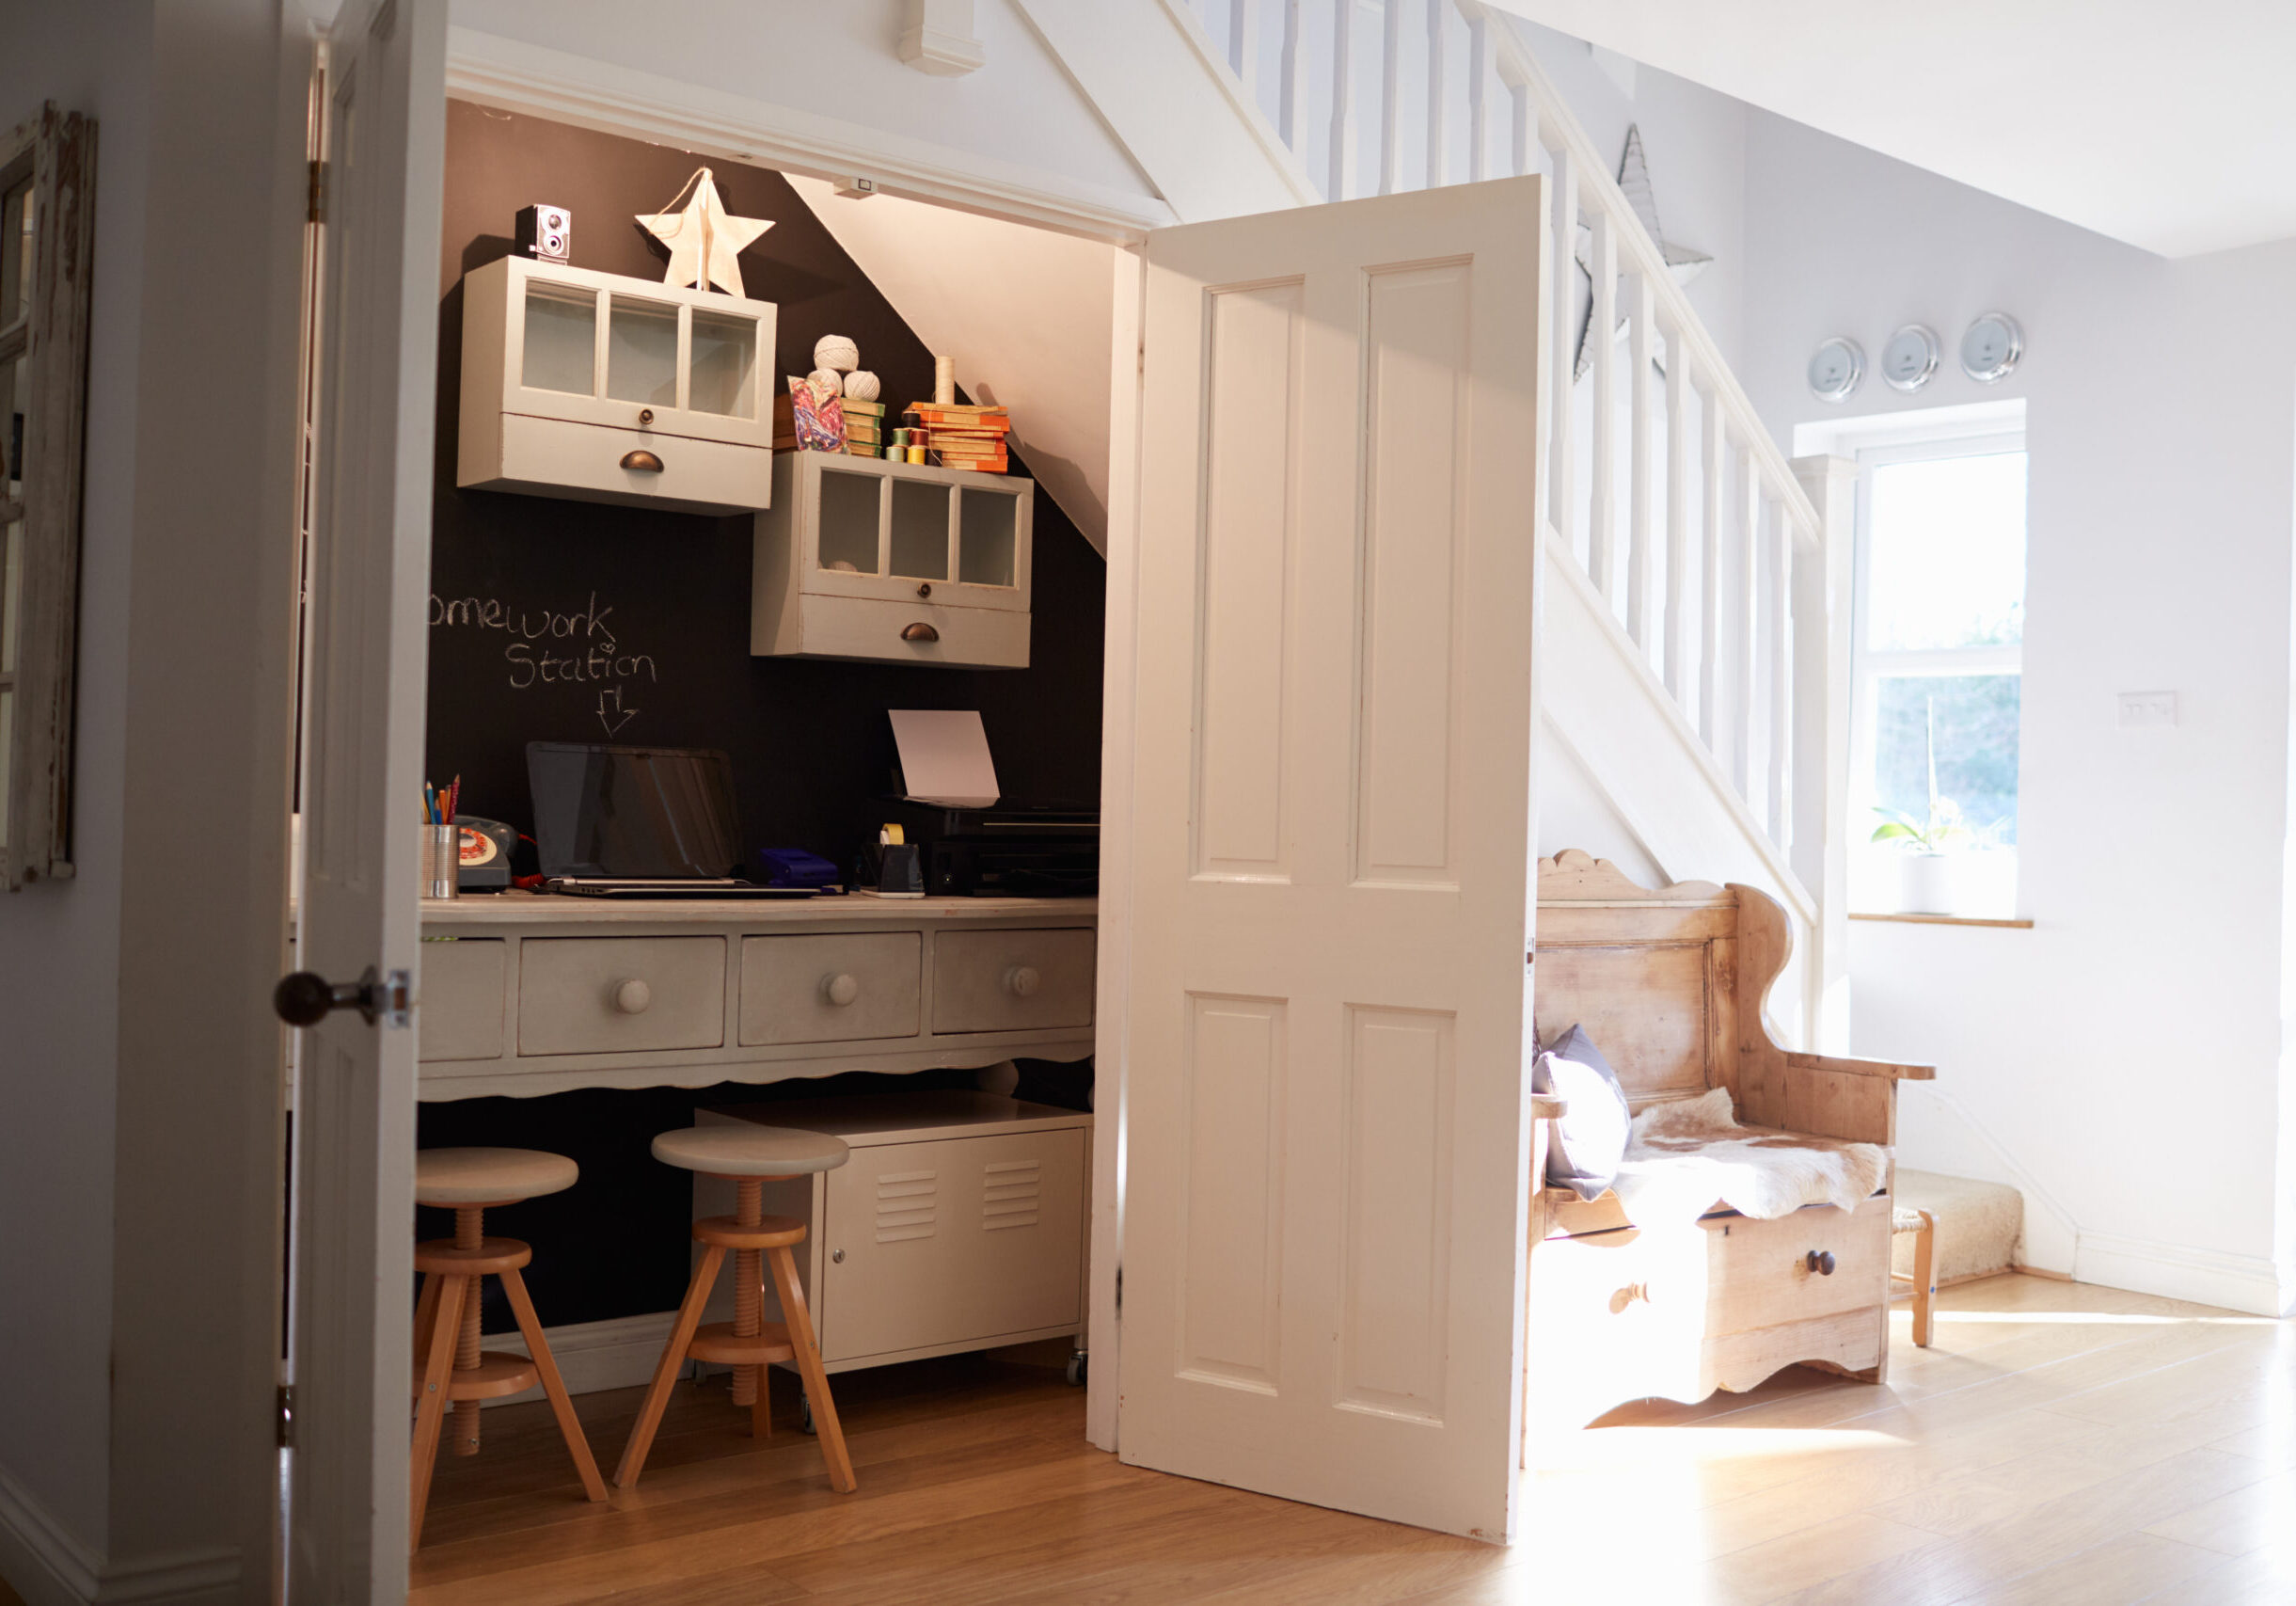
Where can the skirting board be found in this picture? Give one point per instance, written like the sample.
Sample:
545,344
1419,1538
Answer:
618,1353
49,1566
2249,1283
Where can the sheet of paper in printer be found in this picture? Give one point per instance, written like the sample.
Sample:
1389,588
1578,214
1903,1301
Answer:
944,757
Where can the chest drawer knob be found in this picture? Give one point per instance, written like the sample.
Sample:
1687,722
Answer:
631,997
1820,1262
840,990
1629,1296
1021,981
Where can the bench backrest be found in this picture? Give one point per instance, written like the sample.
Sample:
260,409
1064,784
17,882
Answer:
1669,981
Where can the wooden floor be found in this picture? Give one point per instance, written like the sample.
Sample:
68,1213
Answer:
2059,1443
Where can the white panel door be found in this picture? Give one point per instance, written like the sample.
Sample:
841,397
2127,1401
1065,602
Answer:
354,1112
1322,1241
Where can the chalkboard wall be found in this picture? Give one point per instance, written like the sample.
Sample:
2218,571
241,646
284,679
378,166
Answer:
670,594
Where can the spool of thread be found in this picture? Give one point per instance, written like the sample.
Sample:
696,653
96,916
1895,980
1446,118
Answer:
837,352
827,382
862,384
916,455
945,381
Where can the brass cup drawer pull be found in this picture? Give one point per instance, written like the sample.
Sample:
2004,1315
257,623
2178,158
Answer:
920,632
1820,1262
642,462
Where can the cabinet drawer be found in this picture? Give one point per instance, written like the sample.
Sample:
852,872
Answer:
461,1011
1761,1275
559,457
1005,981
942,1242
865,627
575,997
830,989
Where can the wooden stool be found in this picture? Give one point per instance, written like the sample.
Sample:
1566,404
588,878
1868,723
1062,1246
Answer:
748,1156
449,1366
1922,1285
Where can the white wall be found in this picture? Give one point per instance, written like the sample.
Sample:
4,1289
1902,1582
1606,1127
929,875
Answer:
1018,113
2122,1059
139,1111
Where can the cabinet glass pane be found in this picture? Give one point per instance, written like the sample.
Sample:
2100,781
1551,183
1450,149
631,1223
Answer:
11,595
723,380
561,340
642,353
920,530
16,216
15,402
848,523
7,747
986,538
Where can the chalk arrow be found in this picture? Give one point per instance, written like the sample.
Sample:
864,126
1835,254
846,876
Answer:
621,716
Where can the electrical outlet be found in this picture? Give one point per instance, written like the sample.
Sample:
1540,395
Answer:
2147,709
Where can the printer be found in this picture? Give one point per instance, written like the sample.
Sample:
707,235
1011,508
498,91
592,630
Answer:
971,840
1005,850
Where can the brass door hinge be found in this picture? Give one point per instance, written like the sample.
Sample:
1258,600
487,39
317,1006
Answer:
286,1423
318,210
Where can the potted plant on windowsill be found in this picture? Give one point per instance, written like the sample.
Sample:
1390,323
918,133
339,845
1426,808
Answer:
1930,857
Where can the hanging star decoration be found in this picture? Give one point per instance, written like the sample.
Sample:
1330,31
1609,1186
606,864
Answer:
1682,261
704,241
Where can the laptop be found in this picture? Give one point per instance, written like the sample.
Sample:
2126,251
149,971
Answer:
638,822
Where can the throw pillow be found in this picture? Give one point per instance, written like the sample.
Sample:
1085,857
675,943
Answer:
1588,1143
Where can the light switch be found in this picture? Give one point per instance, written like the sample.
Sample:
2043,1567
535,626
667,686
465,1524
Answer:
2147,709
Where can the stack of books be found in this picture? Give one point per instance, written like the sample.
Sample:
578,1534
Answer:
967,436
864,428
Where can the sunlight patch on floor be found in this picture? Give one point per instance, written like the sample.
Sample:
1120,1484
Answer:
2098,1319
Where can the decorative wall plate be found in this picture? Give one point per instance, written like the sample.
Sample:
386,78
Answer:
1836,369
1990,347
1910,357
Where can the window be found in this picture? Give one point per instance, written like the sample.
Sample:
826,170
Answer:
1940,661
47,210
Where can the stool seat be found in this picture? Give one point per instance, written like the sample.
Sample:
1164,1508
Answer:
746,1151
460,1178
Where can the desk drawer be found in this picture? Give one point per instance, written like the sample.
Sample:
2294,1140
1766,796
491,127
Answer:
576,994
461,1001
559,457
792,987
1003,981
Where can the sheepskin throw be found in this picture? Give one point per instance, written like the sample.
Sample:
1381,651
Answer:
1685,1156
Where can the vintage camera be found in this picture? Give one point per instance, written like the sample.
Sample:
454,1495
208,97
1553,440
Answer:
546,231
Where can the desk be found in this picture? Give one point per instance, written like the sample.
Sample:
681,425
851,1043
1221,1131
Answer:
528,994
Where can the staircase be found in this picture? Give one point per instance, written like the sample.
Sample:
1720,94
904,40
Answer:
1695,615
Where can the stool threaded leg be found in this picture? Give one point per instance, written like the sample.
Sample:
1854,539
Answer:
469,1233
749,1285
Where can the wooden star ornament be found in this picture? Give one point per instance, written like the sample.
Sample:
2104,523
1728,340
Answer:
704,241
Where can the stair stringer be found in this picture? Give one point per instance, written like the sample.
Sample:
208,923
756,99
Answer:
1602,708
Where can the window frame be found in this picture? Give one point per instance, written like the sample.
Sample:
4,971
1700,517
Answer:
1932,443
59,151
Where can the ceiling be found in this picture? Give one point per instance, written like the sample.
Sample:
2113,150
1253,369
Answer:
2170,127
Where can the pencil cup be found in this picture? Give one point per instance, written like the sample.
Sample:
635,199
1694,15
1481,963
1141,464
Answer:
442,860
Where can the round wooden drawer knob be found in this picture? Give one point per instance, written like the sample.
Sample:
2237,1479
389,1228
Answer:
840,989
1022,979
1820,1262
631,997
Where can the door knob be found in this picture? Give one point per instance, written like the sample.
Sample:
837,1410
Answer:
1820,1262
632,996
840,989
1022,980
306,997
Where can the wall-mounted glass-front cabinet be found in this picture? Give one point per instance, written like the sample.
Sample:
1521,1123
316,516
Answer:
862,557
606,389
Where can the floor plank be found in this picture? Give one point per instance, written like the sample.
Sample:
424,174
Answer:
2058,1442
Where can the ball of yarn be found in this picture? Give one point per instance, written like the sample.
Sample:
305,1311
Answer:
826,382
862,384
837,352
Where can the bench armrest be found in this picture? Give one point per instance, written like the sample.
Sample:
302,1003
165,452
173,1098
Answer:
1862,1067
